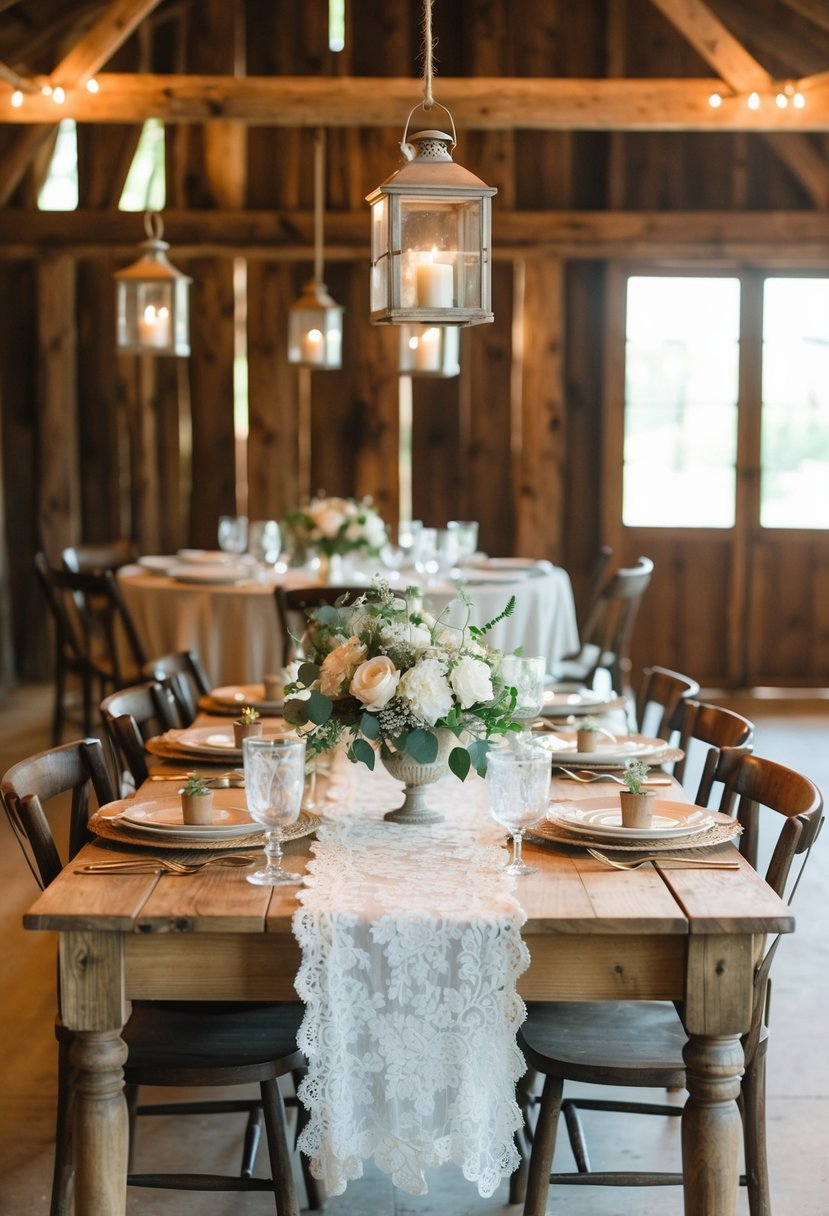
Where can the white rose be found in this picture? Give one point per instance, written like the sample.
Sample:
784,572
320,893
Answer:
374,531
427,690
472,681
398,633
375,682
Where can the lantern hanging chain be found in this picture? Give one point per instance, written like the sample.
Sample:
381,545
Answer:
428,56
319,198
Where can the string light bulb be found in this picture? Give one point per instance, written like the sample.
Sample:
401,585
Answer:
753,101
715,101
17,99
92,85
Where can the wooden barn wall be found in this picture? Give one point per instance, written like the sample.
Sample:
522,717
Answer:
513,441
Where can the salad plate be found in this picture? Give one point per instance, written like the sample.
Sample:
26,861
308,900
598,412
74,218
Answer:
601,819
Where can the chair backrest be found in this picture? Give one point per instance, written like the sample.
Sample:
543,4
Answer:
658,700
130,717
596,581
93,621
609,628
102,555
758,785
293,603
28,785
183,673
717,727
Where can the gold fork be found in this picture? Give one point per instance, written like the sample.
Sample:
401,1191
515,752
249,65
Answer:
155,865
694,863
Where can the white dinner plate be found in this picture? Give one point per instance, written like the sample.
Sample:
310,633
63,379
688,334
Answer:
162,816
483,576
579,701
210,557
513,564
601,819
562,748
157,564
213,740
184,573
236,695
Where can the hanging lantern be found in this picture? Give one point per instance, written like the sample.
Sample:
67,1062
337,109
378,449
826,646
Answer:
152,300
430,238
315,322
429,350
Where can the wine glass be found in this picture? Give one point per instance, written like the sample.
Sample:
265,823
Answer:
265,540
436,554
233,533
274,785
526,676
466,536
518,790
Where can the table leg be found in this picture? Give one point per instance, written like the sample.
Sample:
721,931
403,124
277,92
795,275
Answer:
711,1126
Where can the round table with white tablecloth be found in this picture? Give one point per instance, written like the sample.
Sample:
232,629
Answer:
234,629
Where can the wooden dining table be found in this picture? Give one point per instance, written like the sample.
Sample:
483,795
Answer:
593,933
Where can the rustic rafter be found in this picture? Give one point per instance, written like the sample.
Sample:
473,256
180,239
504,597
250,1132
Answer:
813,10
742,73
482,103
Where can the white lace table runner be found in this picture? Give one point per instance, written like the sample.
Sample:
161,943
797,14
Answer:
411,949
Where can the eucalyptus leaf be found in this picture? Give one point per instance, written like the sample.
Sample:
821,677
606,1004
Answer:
319,708
361,752
478,751
295,711
369,726
422,745
308,672
327,615
459,762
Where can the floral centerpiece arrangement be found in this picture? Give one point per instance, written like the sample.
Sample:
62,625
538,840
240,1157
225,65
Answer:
334,526
382,673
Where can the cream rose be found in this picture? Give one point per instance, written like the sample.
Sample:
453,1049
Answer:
471,680
339,666
329,515
427,690
375,682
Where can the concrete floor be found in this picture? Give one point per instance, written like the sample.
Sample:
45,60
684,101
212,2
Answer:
798,1084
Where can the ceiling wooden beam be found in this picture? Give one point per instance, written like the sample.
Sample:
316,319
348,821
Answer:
99,44
814,10
742,73
481,103
289,235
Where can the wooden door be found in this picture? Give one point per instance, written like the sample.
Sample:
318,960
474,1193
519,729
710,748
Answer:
743,603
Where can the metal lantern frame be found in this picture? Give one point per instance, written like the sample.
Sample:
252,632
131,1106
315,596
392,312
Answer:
152,300
431,235
430,350
315,321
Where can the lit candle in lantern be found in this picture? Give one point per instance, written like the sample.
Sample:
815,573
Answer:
427,351
313,346
435,283
154,327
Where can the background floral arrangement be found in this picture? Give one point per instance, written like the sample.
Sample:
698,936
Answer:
337,525
380,671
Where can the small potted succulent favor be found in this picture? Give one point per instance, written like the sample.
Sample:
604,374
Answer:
196,800
637,803
247,725
589,733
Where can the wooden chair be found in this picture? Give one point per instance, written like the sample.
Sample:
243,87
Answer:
605,640
293,603
184,675
169,1044
640,1044
720,729
96,639
597,580
130,717
95,556
658,700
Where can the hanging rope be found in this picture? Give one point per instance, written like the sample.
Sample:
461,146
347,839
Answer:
428,56
319,194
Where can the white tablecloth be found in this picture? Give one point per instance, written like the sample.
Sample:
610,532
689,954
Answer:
235,630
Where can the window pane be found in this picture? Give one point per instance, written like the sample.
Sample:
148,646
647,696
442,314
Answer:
681,388
795,419
145,188
60,190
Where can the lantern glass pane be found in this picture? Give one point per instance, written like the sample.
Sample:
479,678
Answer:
315,337
441,253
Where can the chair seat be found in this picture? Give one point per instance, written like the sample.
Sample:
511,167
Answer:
613,1043
230,1045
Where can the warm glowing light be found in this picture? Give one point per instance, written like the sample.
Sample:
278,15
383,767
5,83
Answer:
714,101
798,101
754,101
58,96
782,100
46,90
92,85
17,99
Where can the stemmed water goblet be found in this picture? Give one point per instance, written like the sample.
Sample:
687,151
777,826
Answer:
233,533
526,676
274,786
518,790
435,554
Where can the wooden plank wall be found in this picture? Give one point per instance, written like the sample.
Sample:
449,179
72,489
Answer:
147,448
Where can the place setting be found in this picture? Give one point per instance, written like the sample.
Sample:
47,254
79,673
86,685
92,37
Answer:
265,697
211,744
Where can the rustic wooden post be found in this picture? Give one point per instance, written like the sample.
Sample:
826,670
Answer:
59,505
